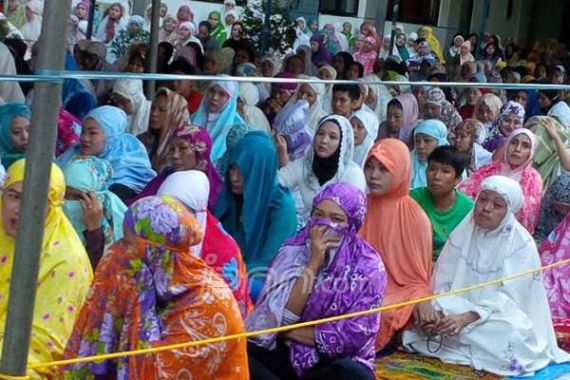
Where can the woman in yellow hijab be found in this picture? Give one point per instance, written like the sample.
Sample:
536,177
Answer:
426,32
65,272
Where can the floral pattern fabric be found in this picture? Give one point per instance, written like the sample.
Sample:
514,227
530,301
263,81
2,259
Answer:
150,291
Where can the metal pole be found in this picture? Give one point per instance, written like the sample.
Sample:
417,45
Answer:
153,54
90,23
266,28
381,15
39,158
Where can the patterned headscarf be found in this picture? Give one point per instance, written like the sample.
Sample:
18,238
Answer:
549,218
496,137
201,143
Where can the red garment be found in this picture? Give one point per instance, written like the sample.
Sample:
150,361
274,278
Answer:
194,100
221,253
466,112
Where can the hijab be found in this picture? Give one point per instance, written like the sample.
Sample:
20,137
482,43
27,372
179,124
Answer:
316,111
94,174
398,228
559,191
324,170
32,29
411,114
496,138
546,159
249,95
158,142
528,178
466,57
322,56
220,123
291,123
9,91
132,89
435,129
201,144
494,103
370,123
126,154
8,112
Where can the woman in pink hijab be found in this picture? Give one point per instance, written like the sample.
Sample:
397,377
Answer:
367,54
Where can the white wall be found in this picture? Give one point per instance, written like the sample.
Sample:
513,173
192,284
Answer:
518,25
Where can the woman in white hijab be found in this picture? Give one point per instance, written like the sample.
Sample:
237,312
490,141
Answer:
327,73
365,127
32,29
378,96
505,328
9,91
129,96
247,107
314,93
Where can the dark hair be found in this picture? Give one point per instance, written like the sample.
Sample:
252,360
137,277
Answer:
200,58
352,89
180,65
206,24
395,103
541,64
360,68
448,155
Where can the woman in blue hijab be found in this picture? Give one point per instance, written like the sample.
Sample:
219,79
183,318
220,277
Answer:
428,135
103,135
218,113
95,213
253,208
14,130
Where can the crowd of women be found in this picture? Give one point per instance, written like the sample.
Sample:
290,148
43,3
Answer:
218,207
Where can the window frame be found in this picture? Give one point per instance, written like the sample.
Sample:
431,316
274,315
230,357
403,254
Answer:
339,12
431,22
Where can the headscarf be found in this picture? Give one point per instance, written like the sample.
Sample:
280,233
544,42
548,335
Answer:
479,156
201,144
126,38
319,171
411,114
397,227
354,263
32,29
367,58
219,124
74,35
310,68
433,42
496,138
546,160
327,97
276,63
132,89
474,255
316,111
528,178
93,174
466,57
108,28
158,142
9,91
381,93
322,56
559,191
291,123
235,134
249,95
448,115
402,50
434,129
217,249
249,222
189,17
126,154
8,112
495,104
63,280
336,41
370,123
219,32
154,292
78,98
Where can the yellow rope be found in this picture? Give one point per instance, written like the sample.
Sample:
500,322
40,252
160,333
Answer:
280,329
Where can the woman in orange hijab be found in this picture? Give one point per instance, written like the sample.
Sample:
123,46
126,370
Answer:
397,227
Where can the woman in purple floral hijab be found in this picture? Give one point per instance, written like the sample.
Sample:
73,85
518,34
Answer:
324,271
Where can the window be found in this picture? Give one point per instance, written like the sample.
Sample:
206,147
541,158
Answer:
339,7
239,3
425,12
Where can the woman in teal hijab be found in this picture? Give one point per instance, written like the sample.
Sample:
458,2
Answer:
218,31
95,213
253,208
428,135
14,129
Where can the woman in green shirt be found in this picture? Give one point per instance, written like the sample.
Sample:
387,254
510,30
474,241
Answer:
444,205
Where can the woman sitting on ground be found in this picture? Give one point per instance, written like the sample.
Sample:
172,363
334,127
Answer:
505,328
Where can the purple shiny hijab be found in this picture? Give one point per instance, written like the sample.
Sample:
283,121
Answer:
352,279
323,56
291,123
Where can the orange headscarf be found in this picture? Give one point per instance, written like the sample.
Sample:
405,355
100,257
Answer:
397,227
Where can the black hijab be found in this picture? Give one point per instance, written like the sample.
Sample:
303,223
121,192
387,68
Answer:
326,168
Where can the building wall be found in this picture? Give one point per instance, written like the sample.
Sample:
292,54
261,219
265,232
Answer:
516,27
